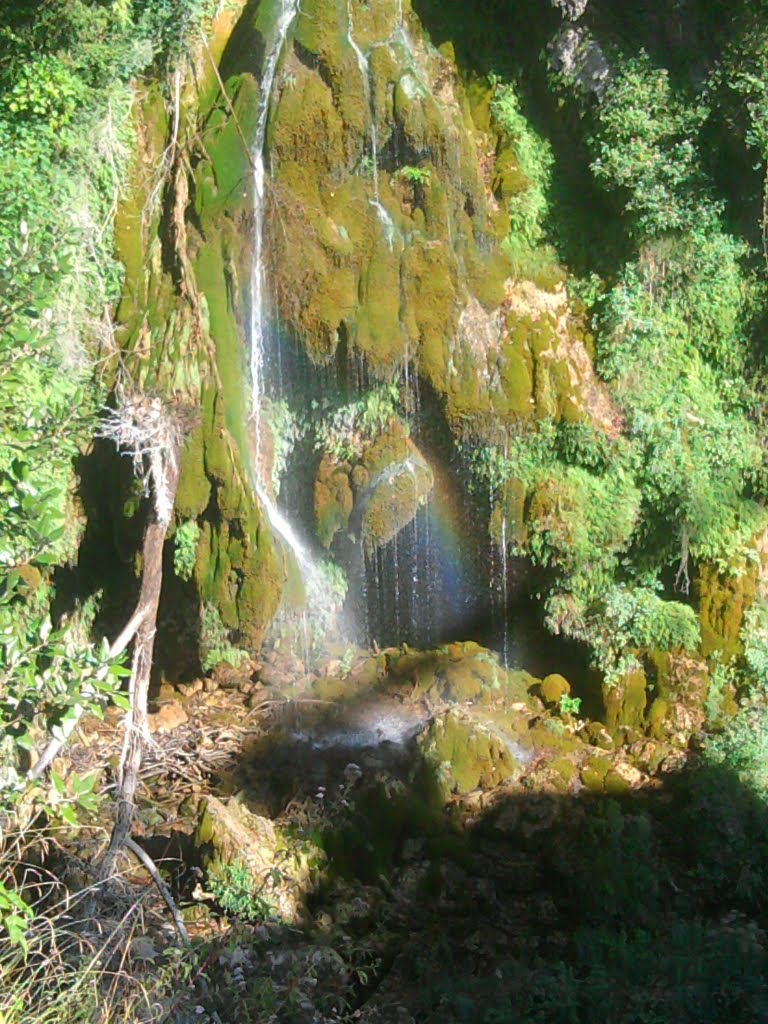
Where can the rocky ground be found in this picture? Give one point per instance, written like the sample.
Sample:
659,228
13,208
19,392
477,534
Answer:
407,836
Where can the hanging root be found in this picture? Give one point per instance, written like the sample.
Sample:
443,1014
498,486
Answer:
142,427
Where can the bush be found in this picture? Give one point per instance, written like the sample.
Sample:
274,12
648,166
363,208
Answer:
645,145
215,645
185,549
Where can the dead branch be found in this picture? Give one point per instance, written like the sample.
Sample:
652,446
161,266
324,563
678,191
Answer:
143,428
228,102
162,888
683,578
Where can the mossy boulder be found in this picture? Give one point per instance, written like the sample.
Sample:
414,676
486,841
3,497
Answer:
465,754
333,498
553,688
229,838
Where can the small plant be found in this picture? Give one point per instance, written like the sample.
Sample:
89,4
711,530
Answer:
569,705
349,429
345,663
215,646
185,549
233,886
282,426
415,175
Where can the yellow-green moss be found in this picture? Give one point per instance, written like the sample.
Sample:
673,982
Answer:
625,703
723,598
333,500
194,489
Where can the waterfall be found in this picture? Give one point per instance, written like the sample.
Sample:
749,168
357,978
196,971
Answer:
318,599
362,62
288,12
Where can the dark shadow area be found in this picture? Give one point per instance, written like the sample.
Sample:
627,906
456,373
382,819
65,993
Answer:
518,904
114,512
108,566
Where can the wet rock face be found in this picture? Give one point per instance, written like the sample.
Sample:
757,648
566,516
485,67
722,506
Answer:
375,496
389,204
572,10
576,55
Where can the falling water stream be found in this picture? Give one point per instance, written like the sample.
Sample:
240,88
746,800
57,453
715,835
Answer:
362,62
278,520
421,584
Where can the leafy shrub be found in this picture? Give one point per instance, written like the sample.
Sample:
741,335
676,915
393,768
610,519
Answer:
754,636
215,645
742,747
185,549
528,206
233,887
645,146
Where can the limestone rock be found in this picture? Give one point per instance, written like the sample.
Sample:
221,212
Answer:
553,687
231,832
169,717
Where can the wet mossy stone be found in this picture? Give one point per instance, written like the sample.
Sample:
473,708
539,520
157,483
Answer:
394,485
723,598
466,755
306,115
461,681
333,500
598,736
393,501
194,489
223,179
553,688
594,773
625,703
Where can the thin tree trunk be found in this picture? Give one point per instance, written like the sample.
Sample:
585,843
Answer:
136,718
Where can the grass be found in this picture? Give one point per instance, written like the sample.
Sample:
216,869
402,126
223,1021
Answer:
90,955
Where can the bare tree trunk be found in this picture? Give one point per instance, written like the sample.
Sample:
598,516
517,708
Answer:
146,611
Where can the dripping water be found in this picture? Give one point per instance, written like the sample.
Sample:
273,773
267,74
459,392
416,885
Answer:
288,12
260,337
365,72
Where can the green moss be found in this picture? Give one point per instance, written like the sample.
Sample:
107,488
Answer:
553,687
194,489
462,681
224,180
379,334
210,269
723,598
431,314
333,500
657,716
393,504
565,769
464,755
625,703
306,124
615,784
593,774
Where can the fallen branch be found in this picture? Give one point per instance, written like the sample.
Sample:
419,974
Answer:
162,888
143,428
228,102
